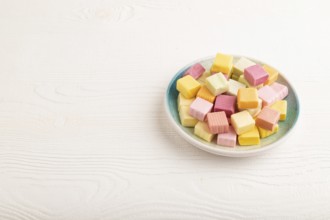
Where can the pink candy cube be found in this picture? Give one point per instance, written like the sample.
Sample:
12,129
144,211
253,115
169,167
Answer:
195,71
267,95
217,122
280,90
267,118
226,103
255,75
227,139
199,108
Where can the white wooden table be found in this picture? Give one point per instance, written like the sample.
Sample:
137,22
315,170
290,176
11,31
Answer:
83,133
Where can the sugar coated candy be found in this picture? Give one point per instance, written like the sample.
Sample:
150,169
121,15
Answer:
267,95
227,139
247,98
222,63
217,122
280,89
199,108
217,84
251,137
202,130
267,118
226,103
255,75
242,122
195,71
188,86
185,118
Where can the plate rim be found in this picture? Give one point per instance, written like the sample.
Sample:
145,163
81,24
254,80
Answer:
220,151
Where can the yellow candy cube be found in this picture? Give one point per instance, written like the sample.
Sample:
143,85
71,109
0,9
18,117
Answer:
265,133
222,63
280,106
204,93
217,84
273,74
186,119
242,122
188,86
202,130
249,138
182,101
247,98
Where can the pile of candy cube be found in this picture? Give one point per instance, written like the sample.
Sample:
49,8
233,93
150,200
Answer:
240,101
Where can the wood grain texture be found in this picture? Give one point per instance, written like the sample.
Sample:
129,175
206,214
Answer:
83,134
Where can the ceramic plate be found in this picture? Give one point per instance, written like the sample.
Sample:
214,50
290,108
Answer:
286,126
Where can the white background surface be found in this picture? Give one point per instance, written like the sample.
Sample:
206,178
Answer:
83,133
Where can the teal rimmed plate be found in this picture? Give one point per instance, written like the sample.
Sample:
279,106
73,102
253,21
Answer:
286,126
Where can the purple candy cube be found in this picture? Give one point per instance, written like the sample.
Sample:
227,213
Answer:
226,103
195,71
255,75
